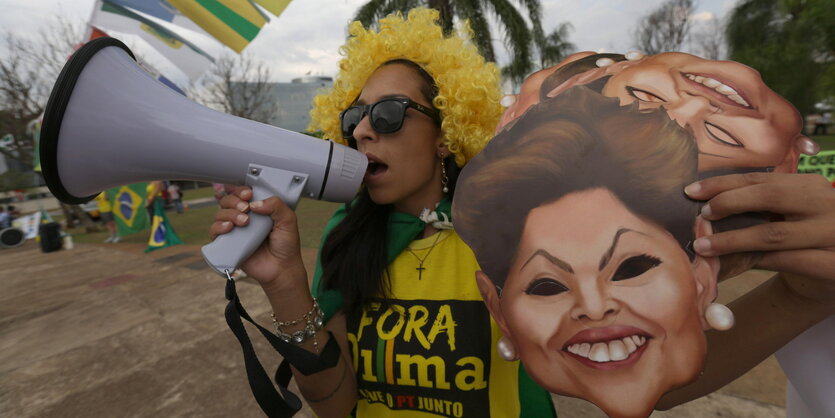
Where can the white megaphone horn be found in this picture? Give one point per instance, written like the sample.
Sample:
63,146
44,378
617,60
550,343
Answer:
108,124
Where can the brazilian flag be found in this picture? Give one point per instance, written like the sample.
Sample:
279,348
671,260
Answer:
162,233
128,203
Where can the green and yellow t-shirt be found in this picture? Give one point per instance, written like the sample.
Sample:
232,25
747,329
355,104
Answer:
431,351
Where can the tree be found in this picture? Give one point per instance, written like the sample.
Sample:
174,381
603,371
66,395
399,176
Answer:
556,46
710,40
27,72
520,39
665,28
791,43
240,86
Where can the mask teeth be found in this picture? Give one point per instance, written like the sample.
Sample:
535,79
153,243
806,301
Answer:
720,88
606,351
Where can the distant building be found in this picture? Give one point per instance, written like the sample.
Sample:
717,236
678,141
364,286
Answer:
294,101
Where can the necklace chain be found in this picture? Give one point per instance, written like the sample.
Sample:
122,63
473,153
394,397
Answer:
420,267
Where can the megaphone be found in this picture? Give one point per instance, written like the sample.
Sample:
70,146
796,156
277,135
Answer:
108,123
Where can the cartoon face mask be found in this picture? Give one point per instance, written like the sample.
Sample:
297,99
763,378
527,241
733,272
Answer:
734,117
576,214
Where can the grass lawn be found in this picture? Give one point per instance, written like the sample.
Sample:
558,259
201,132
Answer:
827,142
192,226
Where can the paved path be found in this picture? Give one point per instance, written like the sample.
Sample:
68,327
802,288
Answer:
108,331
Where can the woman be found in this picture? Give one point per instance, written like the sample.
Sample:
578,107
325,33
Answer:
394,280
602,298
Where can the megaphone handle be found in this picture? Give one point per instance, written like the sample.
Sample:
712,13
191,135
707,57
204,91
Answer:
229,250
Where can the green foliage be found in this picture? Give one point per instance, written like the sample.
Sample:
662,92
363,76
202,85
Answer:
15,180
522,33
791,43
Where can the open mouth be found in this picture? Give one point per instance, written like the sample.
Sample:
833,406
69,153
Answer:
606,351
608,348
376,168
720,88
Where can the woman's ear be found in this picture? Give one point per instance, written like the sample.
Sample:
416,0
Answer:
705,271
442,150
491,299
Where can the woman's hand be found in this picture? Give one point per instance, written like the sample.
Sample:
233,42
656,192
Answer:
277,262
801,245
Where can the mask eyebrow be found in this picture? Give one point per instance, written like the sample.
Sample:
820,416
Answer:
607,256
553,260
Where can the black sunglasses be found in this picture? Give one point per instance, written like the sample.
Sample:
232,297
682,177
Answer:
386,116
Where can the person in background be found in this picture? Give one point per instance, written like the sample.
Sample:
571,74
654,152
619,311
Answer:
152,191
106,216
5,218
175,196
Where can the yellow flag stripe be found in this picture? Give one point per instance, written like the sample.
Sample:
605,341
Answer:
276,7
227,25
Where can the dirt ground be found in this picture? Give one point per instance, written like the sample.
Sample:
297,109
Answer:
107,330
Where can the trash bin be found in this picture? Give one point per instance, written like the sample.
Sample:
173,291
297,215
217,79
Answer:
50,234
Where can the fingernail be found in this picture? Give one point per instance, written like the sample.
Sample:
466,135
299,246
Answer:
693,188
706,211
257,204
226,224
241,206
242,218
702,245
246,193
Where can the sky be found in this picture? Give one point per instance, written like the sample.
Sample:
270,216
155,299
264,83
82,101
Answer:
306,37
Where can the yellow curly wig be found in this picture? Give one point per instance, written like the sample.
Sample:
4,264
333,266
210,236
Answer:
468,87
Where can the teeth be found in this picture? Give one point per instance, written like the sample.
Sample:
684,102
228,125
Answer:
720,88
630,345
617,351
725,89
599,353
614,350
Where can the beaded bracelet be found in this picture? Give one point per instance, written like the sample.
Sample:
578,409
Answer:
313,321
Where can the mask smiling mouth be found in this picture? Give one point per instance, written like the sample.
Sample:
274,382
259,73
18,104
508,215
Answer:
719,88
607,348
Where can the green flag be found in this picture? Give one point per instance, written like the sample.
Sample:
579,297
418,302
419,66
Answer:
34,128
162,233
128,203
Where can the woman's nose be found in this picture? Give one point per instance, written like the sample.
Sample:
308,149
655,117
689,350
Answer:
690,109
593,304
363,131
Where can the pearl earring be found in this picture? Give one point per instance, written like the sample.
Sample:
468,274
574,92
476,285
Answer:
444,178
634,55
506,349
604,62
719,317
508,100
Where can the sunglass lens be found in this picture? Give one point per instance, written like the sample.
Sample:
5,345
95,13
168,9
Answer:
387,116
350,119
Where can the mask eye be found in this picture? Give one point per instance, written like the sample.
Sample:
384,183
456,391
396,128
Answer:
722,135
545,287
635,266
644,96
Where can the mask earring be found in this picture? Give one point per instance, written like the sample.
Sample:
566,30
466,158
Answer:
719,317
506,349
444,178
